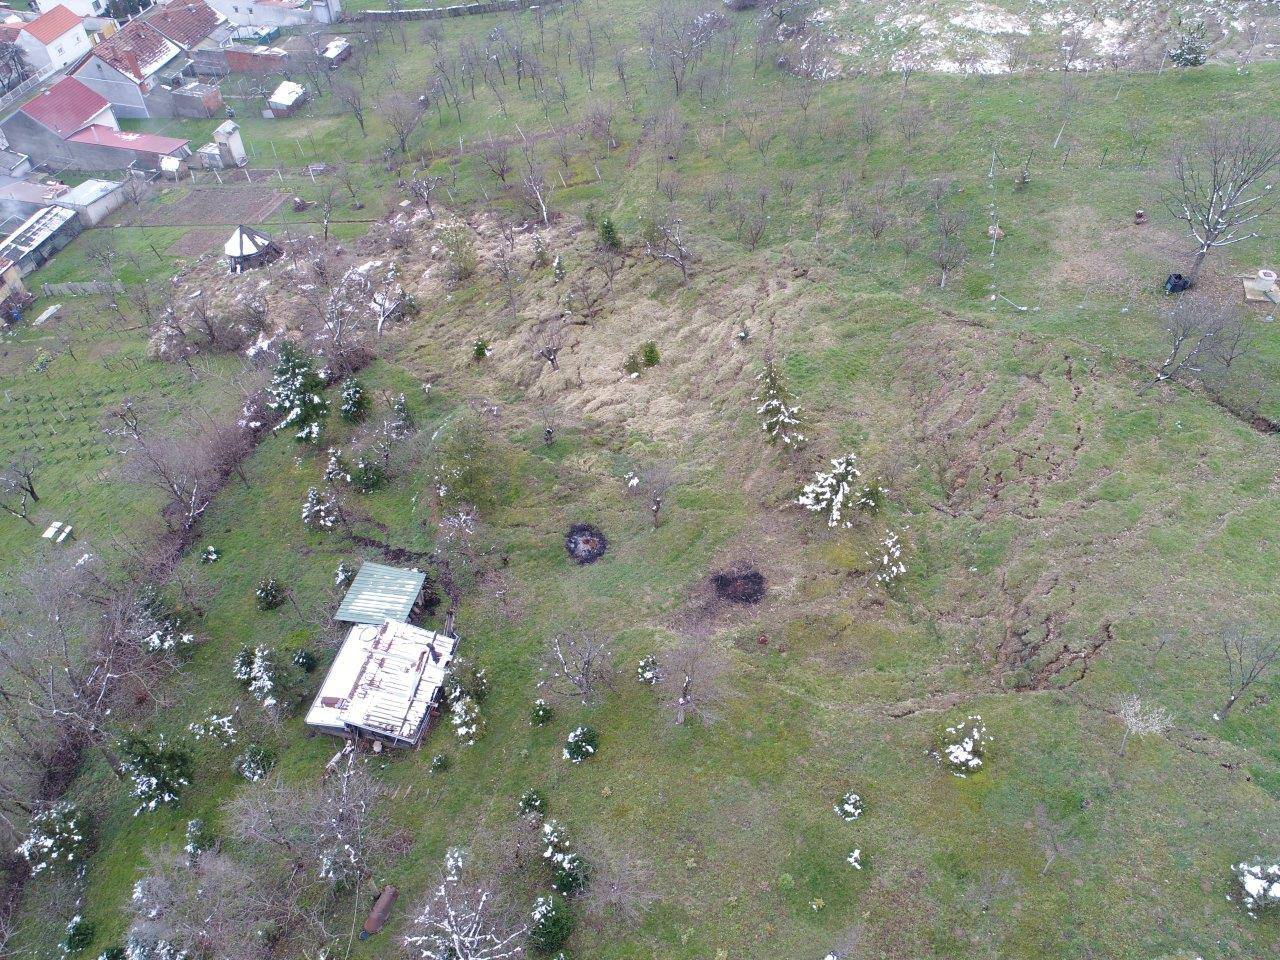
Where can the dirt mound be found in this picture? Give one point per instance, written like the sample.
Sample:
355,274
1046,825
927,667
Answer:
585,543
739,586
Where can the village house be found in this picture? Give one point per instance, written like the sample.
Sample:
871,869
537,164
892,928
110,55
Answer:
70,125
81,8
39,237
191,25
384,684
145,74
279,13
54,39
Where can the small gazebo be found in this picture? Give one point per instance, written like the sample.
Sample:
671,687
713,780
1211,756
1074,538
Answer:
249,248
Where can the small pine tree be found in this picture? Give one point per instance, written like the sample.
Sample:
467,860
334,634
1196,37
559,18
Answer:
480,349
1192,47
296,391
550,924
557,269
609,238
649,354
632,366
781,417
540,255
836,493
159,771
355,402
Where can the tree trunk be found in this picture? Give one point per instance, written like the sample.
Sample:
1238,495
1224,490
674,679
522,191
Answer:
1196,264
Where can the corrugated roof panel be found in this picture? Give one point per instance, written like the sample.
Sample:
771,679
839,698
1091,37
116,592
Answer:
380,593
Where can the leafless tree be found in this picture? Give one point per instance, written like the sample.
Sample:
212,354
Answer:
552,344
423,187
536,191
691,680
653,485
351,97
665,241
18,485
1218,187
1206,336
460,921
496,155
213,907
1247,657
578,665
403,114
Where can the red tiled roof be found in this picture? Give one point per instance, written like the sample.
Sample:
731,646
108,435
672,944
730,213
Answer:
186,24
48,27
129,140
134,49
65,107
9,31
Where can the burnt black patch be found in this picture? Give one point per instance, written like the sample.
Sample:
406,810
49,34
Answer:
585,543
739,586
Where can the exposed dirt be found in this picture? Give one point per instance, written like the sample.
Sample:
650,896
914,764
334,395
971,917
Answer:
744,585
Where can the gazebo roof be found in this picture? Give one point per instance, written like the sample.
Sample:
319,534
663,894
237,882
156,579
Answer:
246,242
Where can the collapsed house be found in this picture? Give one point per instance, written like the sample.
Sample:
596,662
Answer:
384,684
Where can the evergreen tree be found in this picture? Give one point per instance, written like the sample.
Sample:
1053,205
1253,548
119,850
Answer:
297,391
1192,47
609,238
781,418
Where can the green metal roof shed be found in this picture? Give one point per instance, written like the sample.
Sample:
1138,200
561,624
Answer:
380,593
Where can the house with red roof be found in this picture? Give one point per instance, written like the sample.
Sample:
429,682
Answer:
54,39
191,24
73,126
130,64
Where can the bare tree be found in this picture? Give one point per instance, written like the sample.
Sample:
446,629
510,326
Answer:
666,242
352,97
1205,337
691,680
403,114
18,486
496,155
1247,657
460,922
1217,186
653,484
578,665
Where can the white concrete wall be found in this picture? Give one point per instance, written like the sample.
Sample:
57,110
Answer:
68,48
83,8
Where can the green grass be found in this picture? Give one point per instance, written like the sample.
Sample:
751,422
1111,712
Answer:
1163,522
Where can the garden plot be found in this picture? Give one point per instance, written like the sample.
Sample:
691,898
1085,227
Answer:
231,205
993,38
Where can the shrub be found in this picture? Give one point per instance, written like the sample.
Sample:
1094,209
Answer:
440,763
632,366
609,238
343,576
57,836
464,714
296,391
854,859
304,660
480,349
557,269
850,807
256,669
582,744
319,511
355,402
649,354
550,924
541,714
198,839
962,748
889,567
540,256
158,770
368,474
254,763
1192,47
569,872
210,554
79,934
270,594
460,253
648,671
1259,885
531,803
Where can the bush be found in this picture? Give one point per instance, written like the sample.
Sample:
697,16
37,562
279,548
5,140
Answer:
480,349
256,669
558,270
962,748
355,402
632,366
254,763
609,238
582,744
57,837
440,763
887,560
648,671
550,924
368,474
541,714
270,594
319,511
210,554
79,934
158,770
199,839
850,807
1259,885
531,803
460,253
569,872
781,417
649,354
304,660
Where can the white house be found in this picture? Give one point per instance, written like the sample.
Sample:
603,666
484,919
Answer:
82,8
124,68
278,13
55,38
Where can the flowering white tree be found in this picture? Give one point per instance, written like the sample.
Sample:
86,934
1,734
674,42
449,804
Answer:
839,491
780,416
460,922
964,745
888,560
1141,719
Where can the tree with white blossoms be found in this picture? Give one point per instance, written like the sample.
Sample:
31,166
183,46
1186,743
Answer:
781,417
57,836
464,714
461,922
850,807
1141,719
887,560
1259,885
839,492
296,392
319,510
963,746
581,745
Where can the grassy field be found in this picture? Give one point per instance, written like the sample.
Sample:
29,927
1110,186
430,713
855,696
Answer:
1074,534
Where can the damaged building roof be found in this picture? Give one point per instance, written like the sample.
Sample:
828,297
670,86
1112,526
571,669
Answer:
380,593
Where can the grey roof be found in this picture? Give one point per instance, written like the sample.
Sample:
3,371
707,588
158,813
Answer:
380,593
90,191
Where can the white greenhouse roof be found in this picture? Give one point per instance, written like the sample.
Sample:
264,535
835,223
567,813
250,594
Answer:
245,242
383,682
380,593
287,94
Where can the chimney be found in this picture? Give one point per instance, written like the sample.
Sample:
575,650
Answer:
131,61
